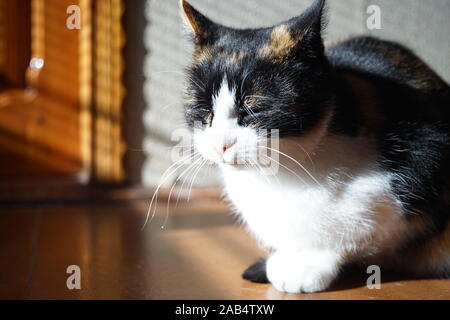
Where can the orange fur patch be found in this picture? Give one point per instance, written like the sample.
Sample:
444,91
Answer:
280,44
232,57
189,15
203,53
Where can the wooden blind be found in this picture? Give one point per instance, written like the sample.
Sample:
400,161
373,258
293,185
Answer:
109,149
60,105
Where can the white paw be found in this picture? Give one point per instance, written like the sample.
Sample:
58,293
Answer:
309,271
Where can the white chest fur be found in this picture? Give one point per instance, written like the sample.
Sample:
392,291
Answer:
350,210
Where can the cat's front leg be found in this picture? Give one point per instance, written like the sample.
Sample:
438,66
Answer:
303,271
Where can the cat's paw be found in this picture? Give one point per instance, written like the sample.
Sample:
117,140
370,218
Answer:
310,271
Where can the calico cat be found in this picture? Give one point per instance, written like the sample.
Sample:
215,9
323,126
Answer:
364,147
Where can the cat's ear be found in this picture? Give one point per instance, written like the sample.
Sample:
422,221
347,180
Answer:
309,26
196,23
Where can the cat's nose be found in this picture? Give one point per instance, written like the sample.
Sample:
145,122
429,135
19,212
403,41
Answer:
225,147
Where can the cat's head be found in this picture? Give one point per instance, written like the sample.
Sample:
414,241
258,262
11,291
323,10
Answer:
245,82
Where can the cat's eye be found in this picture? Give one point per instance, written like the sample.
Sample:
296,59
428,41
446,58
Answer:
250,102
250,106
208,118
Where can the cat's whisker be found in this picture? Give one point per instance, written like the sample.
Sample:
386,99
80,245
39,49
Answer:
254,164
268,177
169,147
181,188
243,81
192,165
247,160
156,193
183,146
258,167
271,159
261,97
250,111
193,179
183,150
178,164
266,98
295,161
309,157
287,168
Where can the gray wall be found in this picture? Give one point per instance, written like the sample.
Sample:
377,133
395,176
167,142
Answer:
422,25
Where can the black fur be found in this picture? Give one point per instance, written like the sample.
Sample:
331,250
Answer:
256,272
289,86
414,136
413,129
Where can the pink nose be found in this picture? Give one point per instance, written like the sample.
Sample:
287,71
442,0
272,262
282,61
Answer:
224,148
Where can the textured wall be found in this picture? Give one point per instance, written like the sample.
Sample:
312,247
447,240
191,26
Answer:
422,25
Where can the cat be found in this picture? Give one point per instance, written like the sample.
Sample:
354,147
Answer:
363,147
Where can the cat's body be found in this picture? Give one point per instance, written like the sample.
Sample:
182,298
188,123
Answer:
364,155
357,209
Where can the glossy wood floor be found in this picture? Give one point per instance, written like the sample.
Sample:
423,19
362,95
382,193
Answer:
200,254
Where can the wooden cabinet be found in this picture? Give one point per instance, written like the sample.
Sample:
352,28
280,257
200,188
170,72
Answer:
60,91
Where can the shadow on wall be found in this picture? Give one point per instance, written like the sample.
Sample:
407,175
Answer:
135,52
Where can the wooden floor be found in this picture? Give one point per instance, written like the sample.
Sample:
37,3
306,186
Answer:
200,254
